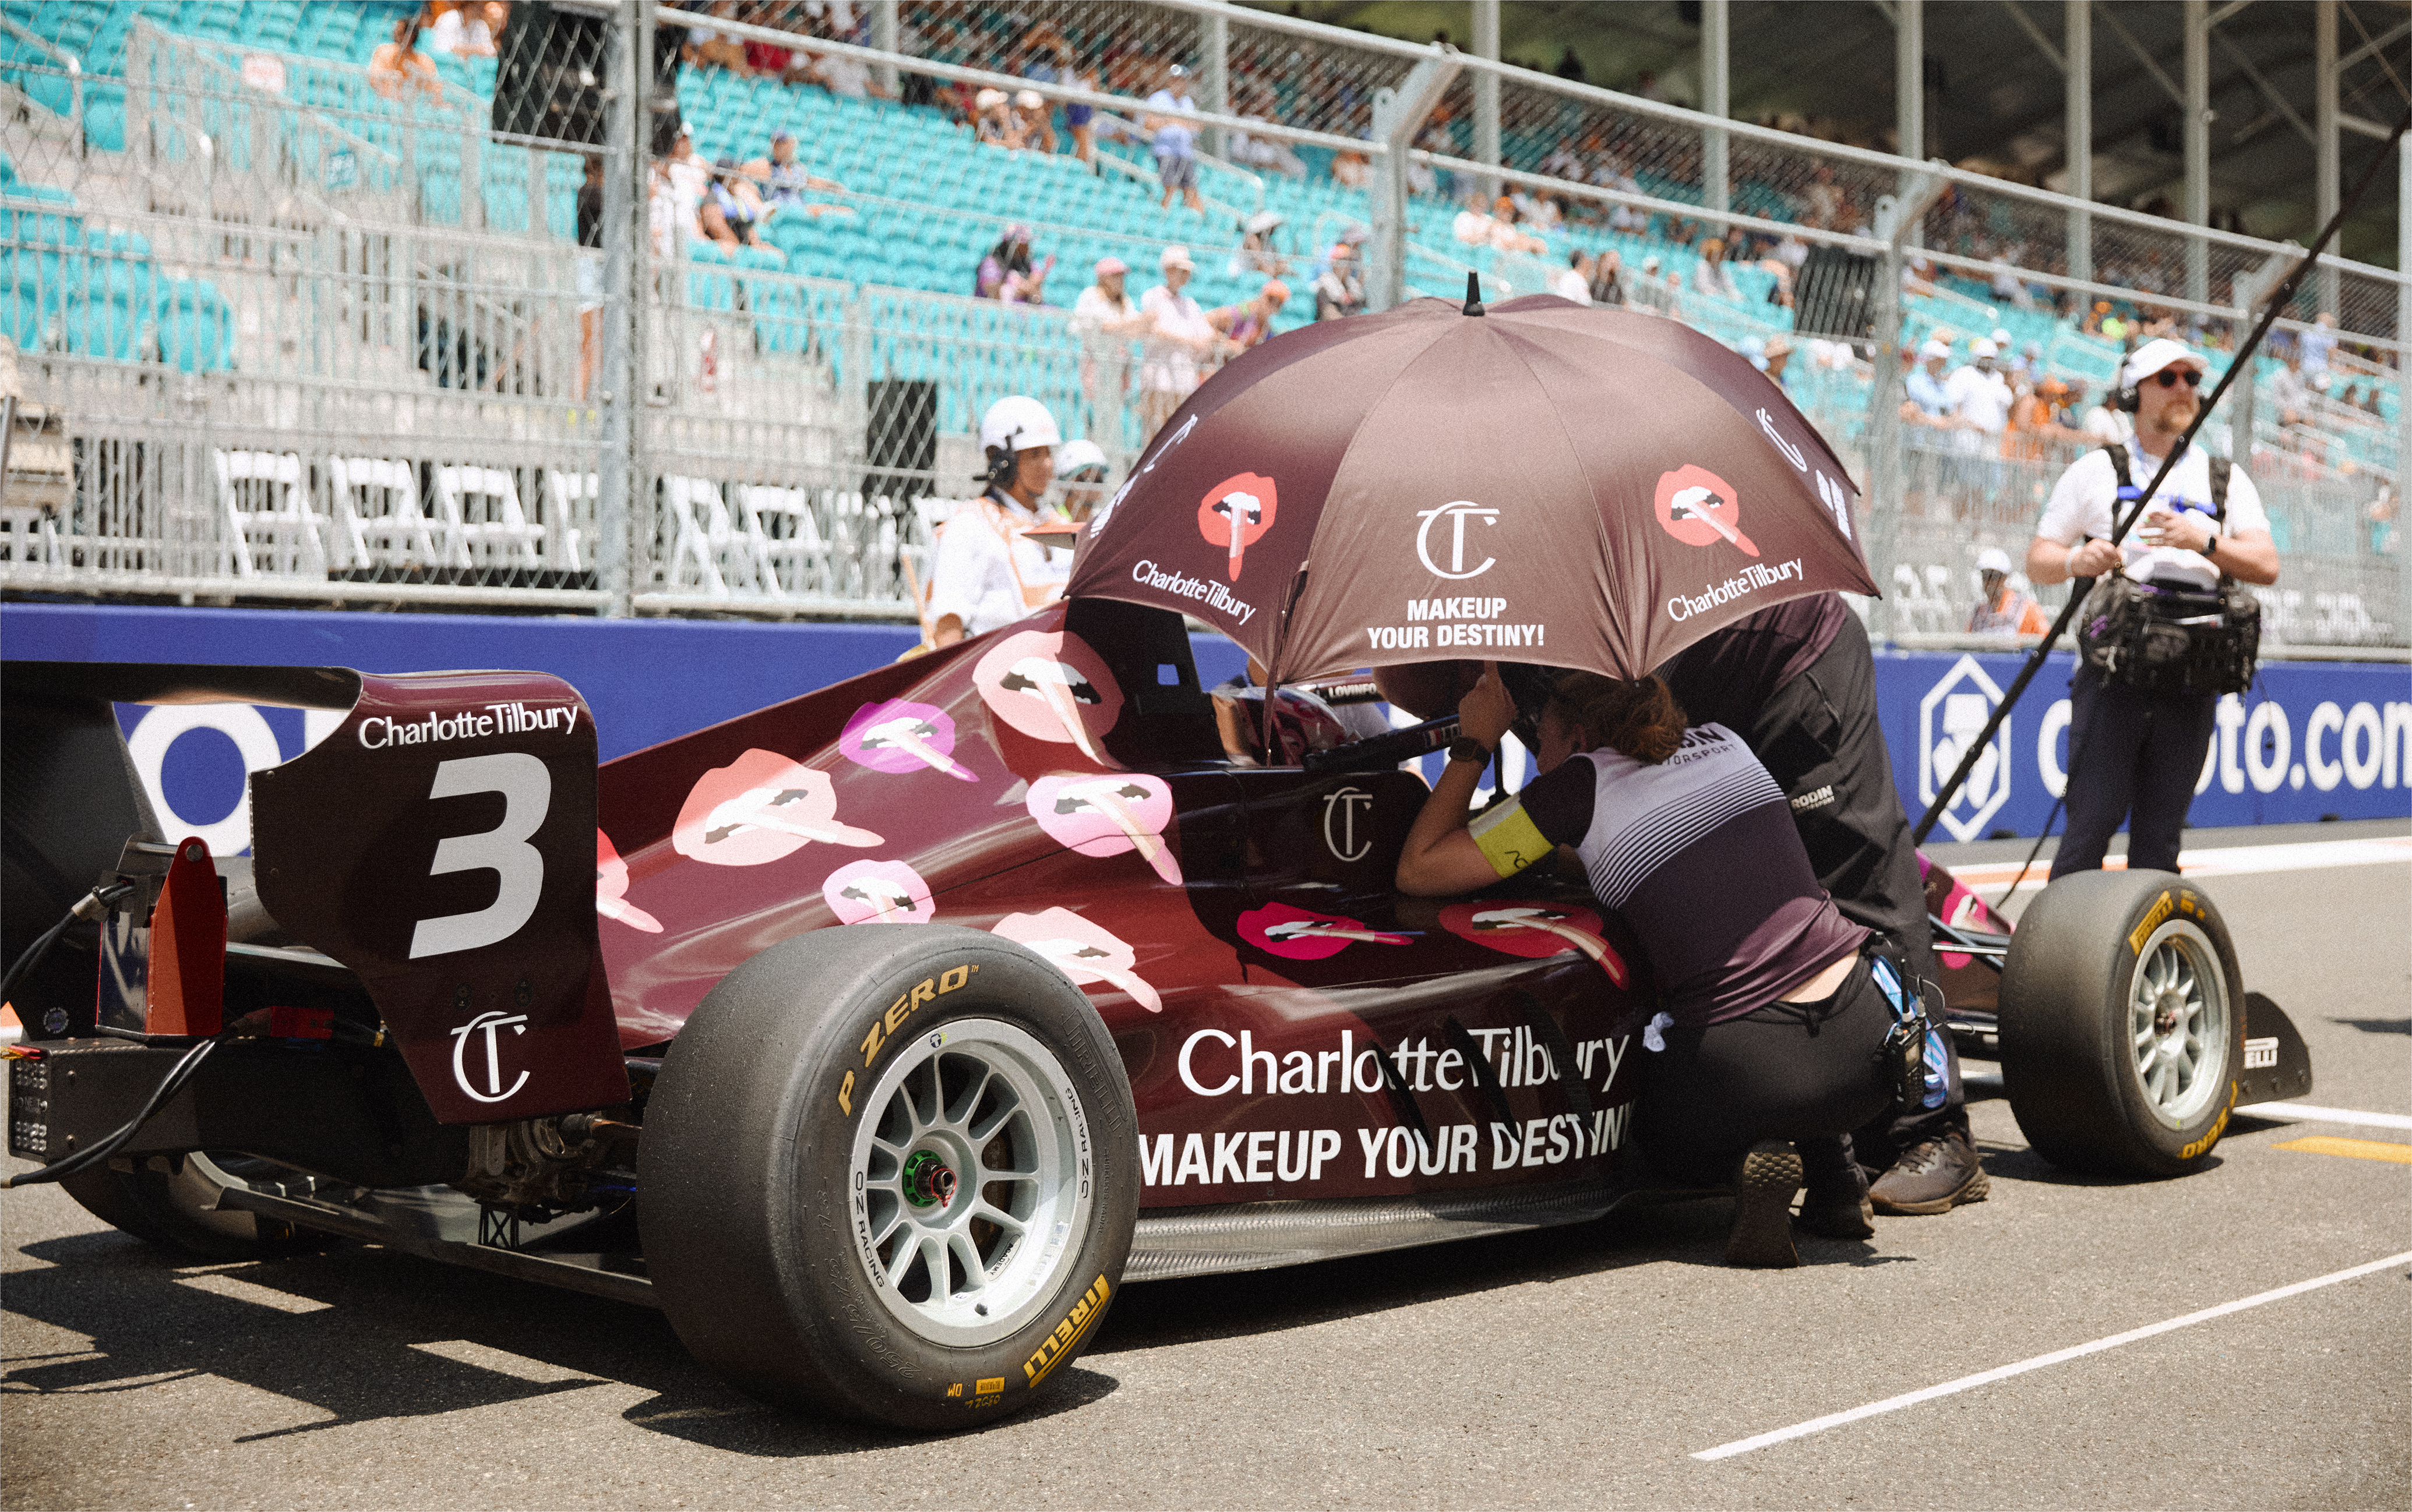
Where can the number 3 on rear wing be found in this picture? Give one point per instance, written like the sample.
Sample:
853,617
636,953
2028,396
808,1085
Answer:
440,842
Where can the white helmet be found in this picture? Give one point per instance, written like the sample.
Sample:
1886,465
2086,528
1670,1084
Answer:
1017,423
1076,455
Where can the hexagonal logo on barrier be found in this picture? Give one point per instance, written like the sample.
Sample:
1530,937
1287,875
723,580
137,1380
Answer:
1951,715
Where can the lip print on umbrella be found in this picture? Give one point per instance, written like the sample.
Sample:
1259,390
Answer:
1107,814
901,736
1698,508
1296,934
1236,513
878,892
611,888
758,808
1083,952
1535,930
1050,687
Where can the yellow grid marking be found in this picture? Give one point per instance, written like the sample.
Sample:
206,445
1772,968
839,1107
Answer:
2327,1144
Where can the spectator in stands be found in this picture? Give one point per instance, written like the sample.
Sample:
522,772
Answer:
1255,253
1036,120
1178,338
2317,345
690,181
398,66
1573,282
1080,120
1263,152
1709,275
1928,404
1028,287
589,270
1607,280
2034,427
2106,426
845,77
466,29
1246,325
993,124
2002,609
1824,198
1173,141
2006,284
662,221
709,46
784,182
1339,292
1008,259
1350,169
739,204
1106,320
2288,393
1778,356
1980,398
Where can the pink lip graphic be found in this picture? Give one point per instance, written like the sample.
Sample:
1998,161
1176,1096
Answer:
1296,934
878,892
611,888
1107,814
902,736
1083,952
758,808
1050,687
1535,930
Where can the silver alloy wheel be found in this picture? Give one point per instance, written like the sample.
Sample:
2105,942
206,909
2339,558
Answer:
2179,1023
969,1181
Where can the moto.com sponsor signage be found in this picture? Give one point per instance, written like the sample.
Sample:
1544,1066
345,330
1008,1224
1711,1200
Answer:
2308,741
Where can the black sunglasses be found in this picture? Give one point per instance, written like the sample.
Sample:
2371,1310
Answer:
2169,377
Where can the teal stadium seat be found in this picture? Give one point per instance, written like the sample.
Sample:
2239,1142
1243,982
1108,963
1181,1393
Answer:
710,290
195,328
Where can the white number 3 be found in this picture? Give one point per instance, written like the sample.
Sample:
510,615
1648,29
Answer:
526,787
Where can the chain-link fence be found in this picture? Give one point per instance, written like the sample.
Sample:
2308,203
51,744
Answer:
312,314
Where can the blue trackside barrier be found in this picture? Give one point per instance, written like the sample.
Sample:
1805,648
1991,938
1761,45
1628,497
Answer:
2313,739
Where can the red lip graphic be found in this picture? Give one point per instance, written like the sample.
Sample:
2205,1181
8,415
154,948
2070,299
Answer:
1236,513
1535,930
1107,814
758,808
1698,508
611,888
1296,934
901,736
1083,952
878,892
1050,687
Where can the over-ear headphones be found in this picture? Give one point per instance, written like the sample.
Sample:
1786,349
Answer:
1002,462
2124,397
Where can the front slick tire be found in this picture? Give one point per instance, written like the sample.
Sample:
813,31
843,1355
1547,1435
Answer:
2121,1024
887,1174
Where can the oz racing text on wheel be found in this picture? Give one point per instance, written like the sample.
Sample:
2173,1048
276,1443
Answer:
888,1172
2122,1023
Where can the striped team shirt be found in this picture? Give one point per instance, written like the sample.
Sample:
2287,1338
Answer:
1699,855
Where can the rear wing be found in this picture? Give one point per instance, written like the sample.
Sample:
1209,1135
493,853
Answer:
440,843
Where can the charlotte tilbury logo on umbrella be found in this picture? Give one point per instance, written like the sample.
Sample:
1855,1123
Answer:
1235,514
1698,508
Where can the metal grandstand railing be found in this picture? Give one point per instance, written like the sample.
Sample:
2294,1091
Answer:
284,332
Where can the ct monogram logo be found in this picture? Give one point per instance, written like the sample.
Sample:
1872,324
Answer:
1456,513
488,1022
1340,810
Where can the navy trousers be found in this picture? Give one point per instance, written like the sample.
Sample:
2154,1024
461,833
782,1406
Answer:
2133,756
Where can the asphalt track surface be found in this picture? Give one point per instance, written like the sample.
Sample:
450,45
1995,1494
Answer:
1587,1365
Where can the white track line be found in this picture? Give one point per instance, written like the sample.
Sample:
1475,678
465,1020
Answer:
2222,860
2313,1113
1818,1425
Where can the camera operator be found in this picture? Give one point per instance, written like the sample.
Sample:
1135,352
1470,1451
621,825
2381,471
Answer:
2140,724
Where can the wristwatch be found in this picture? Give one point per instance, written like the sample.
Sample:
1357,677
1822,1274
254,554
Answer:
2212,544
1466,748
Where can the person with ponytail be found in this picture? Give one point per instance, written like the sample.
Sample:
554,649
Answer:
1771,1016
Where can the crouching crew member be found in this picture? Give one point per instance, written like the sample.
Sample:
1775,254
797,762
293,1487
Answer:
995,563
1797,681
2140,724
1772,1016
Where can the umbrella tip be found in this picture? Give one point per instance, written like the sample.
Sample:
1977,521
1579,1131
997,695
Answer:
1473,293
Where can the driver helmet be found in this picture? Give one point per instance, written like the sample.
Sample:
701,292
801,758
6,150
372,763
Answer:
1015,424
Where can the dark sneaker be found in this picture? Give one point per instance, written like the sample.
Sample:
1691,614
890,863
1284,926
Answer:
1839,1212
1761,1235
1934,1176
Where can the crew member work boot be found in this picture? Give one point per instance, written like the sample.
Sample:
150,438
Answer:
1761,1235
1836,1203
1932,1176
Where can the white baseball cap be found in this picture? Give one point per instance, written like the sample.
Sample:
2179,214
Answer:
2154,355
2001,338
1994,559
1983,349
1177,258
1934,349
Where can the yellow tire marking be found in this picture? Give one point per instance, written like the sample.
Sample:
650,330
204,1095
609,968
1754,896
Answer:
2328,1144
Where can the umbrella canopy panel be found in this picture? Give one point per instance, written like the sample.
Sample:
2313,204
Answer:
1542,483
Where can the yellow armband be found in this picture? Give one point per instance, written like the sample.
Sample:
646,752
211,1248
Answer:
1508,839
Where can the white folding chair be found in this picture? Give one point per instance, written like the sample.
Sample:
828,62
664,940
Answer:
725,557
377,514
284,524
785,533
570,504
29,533
495,532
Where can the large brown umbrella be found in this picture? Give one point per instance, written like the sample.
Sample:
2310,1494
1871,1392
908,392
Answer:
1542,482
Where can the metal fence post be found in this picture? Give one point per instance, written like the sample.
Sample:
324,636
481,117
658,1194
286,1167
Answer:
1486,93
1715,99
2403,393
1881,521
624,223
1214,75
1398,114
883,37
2079,88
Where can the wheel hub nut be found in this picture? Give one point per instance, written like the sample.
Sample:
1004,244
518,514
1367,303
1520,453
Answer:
2164,1012
929,1182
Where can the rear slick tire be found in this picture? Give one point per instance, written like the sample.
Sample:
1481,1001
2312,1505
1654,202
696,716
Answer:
2121,1024
889,1173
